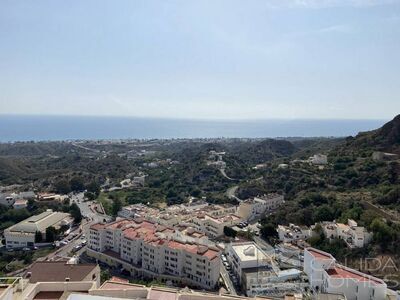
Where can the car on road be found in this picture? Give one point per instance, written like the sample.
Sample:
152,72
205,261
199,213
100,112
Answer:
77,248
26,249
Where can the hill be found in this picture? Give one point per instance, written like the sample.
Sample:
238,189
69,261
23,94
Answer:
386,138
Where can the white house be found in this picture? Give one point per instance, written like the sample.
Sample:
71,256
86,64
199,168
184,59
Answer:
319,159
293,232
327,276
355,236
20,203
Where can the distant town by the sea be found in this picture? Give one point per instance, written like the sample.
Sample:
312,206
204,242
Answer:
50,128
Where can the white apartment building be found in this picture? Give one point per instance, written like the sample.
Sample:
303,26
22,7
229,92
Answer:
213,226
319,159
136,211
205,218
355,236
288,234
23,233
246,255
151,250
255,269
327,276
256,207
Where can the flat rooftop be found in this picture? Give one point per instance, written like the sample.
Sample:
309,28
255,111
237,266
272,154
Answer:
249,251
50,271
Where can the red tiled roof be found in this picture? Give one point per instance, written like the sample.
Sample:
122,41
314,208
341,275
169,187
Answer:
111,285
340,272
147,231
119,279
318,254
161,295
97,226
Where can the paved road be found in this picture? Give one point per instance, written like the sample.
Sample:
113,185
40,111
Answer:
224,174
81,232
228,282
86,210
230,193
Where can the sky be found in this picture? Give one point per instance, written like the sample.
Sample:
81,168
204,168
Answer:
204,59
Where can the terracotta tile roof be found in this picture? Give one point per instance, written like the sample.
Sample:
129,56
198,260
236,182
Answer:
340,272
119,279
319,254
112,285
97,226
162,295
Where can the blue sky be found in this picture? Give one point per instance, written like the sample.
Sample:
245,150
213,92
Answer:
201,59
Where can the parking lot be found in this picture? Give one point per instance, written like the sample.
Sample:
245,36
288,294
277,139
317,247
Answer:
230,279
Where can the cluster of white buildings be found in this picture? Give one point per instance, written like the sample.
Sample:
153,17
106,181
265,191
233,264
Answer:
23,233
151,250
86,288
254,208
216,159
203,217
288,234
327,276
318,159
16,200
355,236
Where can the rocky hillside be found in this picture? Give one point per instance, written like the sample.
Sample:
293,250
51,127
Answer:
386,138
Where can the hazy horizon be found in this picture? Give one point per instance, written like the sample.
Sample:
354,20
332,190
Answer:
43,128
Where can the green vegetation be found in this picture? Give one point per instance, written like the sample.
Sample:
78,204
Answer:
228,231
352,185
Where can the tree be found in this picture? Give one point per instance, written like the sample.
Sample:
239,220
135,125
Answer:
229,231
324,213
268,231
77,184
94,188
62,186
383,233
51,234
38,237
75,212
104,275
116,207
90,196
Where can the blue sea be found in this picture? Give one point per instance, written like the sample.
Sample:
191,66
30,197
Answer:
51,128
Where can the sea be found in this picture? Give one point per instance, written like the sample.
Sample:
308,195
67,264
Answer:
54,128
